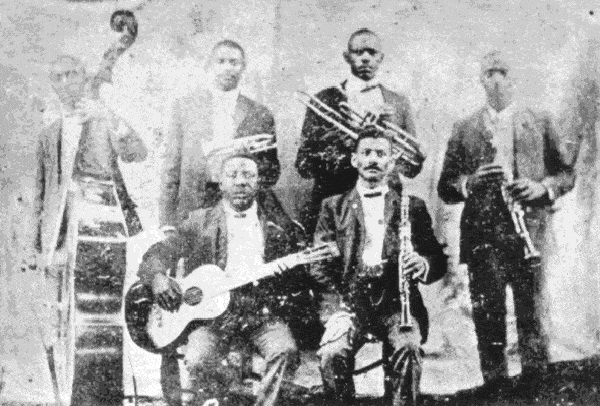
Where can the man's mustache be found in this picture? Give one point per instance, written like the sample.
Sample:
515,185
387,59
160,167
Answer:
373,166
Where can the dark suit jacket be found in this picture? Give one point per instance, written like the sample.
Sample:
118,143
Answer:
539,156
342,219
57,162
329,164
202,239
184,174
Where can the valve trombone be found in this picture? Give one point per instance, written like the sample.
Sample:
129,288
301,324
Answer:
348,121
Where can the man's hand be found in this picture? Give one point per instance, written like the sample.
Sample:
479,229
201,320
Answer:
385,111
340,324
526,190
485,174
92,109
414,265
167,292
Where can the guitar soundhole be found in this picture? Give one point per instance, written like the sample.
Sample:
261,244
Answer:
192,296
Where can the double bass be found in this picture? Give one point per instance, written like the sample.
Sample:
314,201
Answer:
86,359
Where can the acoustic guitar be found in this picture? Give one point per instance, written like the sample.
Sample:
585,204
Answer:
206,295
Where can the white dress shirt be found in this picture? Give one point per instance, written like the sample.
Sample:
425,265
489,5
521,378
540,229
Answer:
364,96
373,214
245,245
500,124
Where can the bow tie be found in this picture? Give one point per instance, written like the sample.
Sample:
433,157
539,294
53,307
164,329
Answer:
374,194
239,215
369,88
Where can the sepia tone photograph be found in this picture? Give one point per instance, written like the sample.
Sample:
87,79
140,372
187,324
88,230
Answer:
305,203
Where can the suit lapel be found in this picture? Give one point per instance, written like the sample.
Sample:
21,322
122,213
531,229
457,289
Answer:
528,147
484,150
218,234
353,226
70,148
239,115
392,202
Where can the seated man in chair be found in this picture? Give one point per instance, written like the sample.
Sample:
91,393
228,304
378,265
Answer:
238,236
381,263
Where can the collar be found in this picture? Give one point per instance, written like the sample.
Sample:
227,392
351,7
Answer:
230,96
355,85
505,114
231,212
362,190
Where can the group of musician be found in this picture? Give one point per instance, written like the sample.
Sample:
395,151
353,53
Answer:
357,143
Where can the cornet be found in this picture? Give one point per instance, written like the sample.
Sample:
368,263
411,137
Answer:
404,145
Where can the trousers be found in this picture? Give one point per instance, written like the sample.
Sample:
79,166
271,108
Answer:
215,364
403,365
491,270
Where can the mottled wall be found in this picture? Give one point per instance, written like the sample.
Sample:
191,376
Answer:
432,50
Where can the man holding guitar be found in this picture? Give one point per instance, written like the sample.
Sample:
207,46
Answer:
238,236
379,267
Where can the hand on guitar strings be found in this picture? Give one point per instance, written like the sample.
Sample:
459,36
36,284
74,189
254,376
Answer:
414,265
526,190
167,292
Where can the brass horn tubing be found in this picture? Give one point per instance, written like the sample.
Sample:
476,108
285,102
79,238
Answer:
402,133
404,149
325,117
323,106
399,133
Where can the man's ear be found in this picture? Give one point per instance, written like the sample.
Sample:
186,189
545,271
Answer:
354,160
346,56
381,56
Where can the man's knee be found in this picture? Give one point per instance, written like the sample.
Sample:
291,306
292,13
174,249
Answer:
332,351
201,349
283,348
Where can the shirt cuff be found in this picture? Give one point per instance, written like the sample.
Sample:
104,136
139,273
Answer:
549,190
463,187
167,228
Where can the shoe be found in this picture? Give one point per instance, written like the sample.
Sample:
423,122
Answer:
496,388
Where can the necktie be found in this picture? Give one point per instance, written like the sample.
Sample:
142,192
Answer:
374,194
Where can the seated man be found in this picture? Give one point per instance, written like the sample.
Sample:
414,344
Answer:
239,236
364,285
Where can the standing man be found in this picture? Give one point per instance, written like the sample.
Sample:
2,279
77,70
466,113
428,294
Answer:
203,122
362,287
504,148
325,151
85,141
238,236
77,166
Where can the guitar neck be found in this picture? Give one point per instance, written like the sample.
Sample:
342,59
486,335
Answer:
240,279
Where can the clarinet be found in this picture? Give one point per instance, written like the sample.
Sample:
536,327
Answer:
517,215
404,237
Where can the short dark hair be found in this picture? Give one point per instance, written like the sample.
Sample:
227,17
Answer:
228,43
372,132
360,31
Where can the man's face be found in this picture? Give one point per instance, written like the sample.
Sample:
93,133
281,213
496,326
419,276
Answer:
239,182
364,56
226,67
498,85
373,159
68,81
